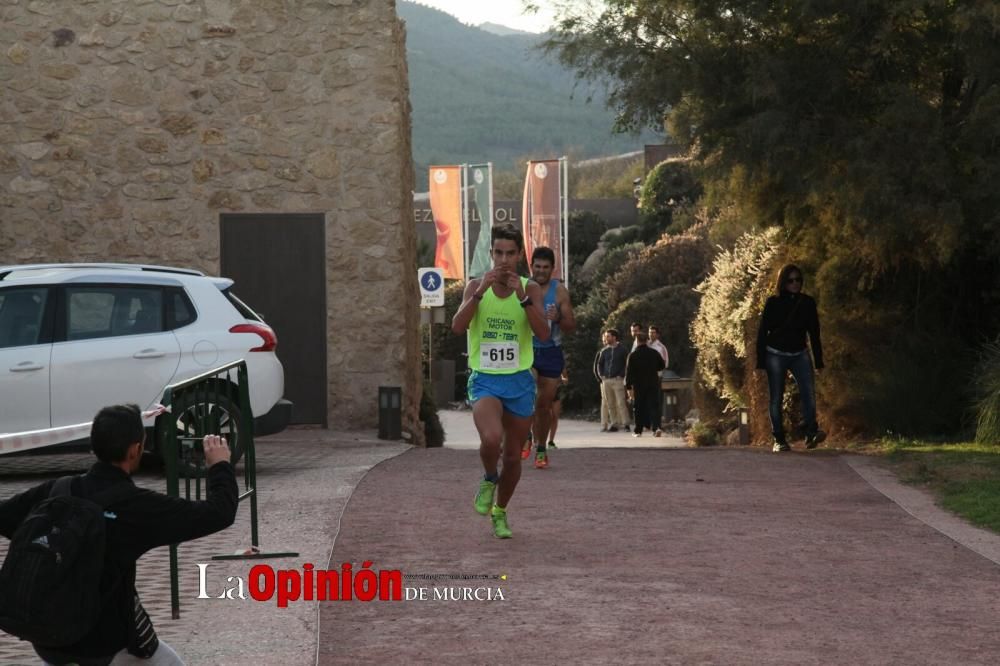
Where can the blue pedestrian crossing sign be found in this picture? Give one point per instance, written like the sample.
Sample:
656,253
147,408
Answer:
431,287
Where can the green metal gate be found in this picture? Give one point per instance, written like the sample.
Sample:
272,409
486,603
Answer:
216,402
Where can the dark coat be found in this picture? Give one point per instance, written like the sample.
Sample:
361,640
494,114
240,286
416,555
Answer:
610,362
143,521
786,321
642,370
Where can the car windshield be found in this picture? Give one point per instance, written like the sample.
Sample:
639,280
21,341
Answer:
242,307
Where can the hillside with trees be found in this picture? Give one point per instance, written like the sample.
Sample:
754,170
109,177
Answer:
481,96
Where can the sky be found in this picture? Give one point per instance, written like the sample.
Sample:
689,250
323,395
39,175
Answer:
504,12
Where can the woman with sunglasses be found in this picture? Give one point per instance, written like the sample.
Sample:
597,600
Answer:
781,346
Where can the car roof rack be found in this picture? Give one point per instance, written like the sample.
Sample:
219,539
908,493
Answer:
7,270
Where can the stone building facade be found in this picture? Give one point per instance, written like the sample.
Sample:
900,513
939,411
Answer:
128,126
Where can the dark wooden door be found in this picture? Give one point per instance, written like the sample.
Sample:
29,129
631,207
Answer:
278,262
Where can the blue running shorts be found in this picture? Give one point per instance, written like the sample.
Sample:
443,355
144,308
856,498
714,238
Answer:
516,392
549,361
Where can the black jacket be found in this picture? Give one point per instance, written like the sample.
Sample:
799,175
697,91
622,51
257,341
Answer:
143,521
642,370
784,325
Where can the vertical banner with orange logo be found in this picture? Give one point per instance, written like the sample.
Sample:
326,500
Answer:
544,210
446,207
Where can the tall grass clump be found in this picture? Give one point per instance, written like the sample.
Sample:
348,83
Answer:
986,385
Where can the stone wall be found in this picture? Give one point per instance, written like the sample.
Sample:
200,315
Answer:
128,126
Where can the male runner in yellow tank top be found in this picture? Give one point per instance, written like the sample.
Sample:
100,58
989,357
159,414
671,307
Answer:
501,311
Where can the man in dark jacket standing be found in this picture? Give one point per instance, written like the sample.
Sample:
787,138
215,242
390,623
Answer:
609,369
142,521
642,380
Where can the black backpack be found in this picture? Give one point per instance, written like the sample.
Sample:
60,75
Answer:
49,583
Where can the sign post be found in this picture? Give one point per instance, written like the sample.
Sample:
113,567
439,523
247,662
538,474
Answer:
431,287
431,297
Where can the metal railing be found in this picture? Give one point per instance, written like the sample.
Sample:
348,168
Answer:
216,402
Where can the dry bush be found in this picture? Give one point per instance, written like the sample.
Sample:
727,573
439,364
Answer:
595,277
674,260
703,434
732,298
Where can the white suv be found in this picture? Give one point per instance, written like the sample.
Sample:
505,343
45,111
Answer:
77,337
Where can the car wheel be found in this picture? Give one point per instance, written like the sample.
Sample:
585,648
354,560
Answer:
199,416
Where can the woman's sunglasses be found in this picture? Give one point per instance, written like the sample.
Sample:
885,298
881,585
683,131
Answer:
794,279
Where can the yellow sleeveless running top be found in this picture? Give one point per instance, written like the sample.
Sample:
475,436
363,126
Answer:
500,335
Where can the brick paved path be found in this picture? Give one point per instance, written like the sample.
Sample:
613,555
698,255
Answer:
660,556
619,556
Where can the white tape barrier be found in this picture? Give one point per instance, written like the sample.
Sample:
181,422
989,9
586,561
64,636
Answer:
37,439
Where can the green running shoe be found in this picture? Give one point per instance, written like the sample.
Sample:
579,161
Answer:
484,498
541,460
500,528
